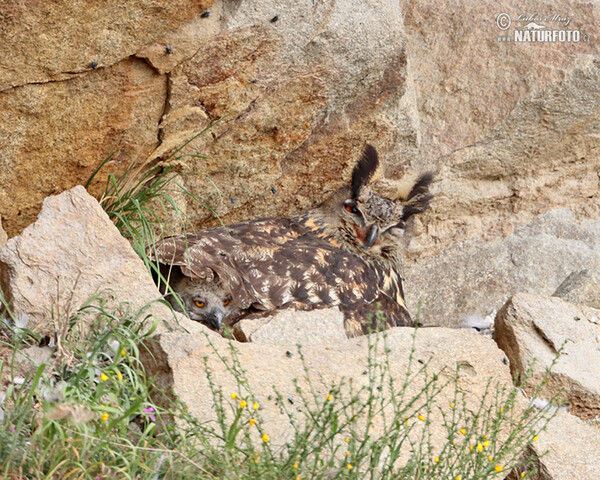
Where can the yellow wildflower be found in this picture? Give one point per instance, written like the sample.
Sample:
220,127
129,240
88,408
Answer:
104,377
535,439
436,459
479,447
498,468
329,397
349,467
255,406
104,417
347,453
252,422
458,477
486,443
522,474
463,431
123,352
347,440
119,375
421,417
233,396
490,458
243,404
451,405
295,464
265,438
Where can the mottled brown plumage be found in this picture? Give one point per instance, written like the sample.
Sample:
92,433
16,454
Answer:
346,252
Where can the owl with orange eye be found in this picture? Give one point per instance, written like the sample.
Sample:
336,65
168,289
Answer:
347,252
207,302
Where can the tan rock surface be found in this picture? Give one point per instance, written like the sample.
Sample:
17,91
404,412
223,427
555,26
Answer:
324,326
523,167
70,254
475,278
56,134
581,288
512,131
535,327
467,81
296,99
47,41
178,362
568,449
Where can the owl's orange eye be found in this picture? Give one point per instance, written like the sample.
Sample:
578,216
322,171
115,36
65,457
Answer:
199,304
226,302
351,208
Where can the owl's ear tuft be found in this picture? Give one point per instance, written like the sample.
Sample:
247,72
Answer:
364,169
421,186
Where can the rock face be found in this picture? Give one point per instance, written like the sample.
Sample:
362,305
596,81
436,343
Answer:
474,278
69,38
532,326
297,88
270,370
581,288
566,449
103,112
509,125
70,254
295,98
325,326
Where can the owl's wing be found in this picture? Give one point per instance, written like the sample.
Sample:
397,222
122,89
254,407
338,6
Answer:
240,255
274,263
204,256
271,263
308,273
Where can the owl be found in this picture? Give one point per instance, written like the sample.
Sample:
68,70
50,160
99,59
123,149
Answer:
346,252
207,302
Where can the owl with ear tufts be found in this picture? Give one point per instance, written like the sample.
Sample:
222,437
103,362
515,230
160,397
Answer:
207,302
346,252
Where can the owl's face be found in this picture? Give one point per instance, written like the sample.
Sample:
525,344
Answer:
371,223
205,302
367,221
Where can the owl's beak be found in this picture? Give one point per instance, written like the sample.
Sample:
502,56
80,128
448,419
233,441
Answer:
215,319
371,237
